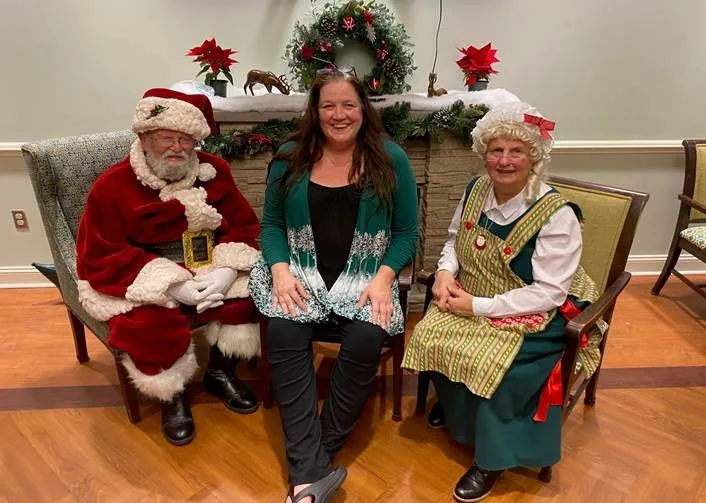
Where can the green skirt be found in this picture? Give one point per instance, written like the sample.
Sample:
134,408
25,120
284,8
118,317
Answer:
501,429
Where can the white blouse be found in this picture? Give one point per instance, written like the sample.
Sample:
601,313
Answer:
554,262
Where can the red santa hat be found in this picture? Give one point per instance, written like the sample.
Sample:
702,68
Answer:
190,114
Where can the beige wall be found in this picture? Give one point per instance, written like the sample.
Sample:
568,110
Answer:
597,68
603,69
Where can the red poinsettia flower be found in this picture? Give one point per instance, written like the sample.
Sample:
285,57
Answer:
477,63
213,59
348,23
325,46
307,52
368,16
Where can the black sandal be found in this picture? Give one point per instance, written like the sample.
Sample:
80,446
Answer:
321,490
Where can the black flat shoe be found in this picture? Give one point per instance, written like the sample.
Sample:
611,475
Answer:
235,395
475,484
436,417
177,422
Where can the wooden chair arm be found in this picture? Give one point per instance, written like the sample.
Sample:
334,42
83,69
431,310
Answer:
590,315
426,278
693,203
405,277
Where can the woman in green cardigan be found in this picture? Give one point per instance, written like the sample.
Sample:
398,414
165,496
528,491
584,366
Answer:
339,222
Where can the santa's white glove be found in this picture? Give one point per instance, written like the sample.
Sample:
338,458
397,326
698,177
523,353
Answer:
218,280
192,292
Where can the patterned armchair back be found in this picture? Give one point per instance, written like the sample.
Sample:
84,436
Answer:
64,169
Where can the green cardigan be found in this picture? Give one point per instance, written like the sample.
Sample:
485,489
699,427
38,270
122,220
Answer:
380,238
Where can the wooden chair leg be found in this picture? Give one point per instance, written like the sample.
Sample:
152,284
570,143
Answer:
590,396
422,392
397,356
79,333
545,474
268,399
669,264
132,405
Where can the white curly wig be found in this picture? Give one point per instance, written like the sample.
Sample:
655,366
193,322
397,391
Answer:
508,121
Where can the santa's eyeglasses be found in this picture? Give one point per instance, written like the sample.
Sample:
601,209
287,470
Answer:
167,141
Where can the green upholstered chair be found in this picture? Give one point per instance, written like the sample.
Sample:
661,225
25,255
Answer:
690,230
611,215
62,171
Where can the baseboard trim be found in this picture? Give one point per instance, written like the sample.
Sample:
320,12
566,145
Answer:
651,265
639,265
23,277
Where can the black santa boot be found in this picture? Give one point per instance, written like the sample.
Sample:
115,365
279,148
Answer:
177,422
220,380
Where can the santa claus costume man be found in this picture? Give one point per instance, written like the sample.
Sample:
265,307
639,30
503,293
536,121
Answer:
165,244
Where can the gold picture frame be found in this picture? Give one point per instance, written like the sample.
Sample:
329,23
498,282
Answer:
193,249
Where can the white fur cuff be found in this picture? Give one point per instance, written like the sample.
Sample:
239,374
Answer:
239,288
239,341
237,256
168,382
100,306
151,284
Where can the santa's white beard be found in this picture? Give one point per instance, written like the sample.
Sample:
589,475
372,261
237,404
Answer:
168,169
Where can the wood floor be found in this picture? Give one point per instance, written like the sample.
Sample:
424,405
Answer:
64,435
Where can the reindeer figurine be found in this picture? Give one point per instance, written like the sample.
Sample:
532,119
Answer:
267,79
434,92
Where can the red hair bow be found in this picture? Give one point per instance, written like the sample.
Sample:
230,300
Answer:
544,125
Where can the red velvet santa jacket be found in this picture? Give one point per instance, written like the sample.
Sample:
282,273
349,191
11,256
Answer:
130,209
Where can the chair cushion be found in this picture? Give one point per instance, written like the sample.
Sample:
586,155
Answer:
695,236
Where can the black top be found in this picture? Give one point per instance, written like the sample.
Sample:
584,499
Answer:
334,213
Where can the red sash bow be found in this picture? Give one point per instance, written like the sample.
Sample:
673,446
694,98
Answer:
553,392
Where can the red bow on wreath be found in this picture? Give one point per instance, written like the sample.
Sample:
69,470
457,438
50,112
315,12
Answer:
544,125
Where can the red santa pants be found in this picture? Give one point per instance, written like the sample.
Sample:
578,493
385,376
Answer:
155,337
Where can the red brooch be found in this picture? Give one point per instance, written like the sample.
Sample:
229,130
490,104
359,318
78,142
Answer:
507,250
469,226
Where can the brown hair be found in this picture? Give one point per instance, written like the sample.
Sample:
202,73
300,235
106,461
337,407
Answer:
371,166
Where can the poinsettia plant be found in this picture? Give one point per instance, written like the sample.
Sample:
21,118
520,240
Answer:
214,60
477,64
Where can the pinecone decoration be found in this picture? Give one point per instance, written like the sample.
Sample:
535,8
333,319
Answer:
393,68
443,118
328,27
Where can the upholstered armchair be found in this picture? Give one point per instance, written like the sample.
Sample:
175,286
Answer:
62,172
611,217
690,229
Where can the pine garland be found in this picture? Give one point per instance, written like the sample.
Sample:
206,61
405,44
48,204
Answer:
458,120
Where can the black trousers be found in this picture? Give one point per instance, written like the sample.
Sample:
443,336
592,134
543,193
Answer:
312,441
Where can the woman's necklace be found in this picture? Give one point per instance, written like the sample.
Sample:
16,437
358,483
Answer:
481,238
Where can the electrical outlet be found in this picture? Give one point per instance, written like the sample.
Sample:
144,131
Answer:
19,217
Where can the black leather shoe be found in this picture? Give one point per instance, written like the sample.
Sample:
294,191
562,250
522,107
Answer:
177,422
235,395
436,417
475,484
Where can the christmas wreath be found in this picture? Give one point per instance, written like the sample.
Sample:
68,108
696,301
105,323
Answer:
313,46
